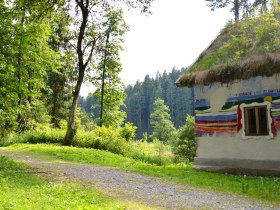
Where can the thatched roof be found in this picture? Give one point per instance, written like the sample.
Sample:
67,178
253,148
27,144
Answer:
247,49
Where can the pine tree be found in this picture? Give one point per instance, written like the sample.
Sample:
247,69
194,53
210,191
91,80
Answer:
185,147
142,95
163,128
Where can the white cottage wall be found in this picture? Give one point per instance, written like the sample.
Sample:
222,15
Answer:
222,150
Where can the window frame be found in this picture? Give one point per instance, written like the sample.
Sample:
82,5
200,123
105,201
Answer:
248,125
267,135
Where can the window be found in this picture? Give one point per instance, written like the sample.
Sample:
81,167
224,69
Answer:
256,121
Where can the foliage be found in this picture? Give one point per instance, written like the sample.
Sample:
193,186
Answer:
25,60
163,128
59,93
33,192
185,147
262,188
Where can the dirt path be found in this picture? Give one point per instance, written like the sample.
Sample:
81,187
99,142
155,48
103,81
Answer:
147,190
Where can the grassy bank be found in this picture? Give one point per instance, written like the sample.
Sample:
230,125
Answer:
263,188
20,189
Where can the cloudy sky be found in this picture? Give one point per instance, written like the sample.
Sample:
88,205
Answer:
174,34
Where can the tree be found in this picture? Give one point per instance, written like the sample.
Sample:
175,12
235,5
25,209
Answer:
8,94
237,5
133,106
89,13
146,102
163,128
110,90
185,147
59,81
262,3
27,58
142,95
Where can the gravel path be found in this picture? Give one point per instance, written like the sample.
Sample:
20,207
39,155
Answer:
147,190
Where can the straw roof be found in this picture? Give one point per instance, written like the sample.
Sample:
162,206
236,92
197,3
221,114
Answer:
247,49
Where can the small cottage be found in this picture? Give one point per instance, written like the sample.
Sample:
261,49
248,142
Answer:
236,83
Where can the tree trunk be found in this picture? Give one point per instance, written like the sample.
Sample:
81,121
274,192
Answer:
236,10
54,100
71,125
20,118
264,6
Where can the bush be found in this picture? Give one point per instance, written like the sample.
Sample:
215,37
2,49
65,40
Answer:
128,131
103,138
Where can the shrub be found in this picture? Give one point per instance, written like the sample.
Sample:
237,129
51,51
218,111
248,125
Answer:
103,138
128,131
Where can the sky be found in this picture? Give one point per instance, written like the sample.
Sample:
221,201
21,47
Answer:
174,35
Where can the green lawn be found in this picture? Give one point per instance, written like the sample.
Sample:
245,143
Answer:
21,190
261,188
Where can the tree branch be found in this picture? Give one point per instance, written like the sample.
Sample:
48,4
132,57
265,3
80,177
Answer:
91,52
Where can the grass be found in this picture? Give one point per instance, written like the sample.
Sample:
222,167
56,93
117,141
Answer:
103,138
153,149
150,152
20,190
261,188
